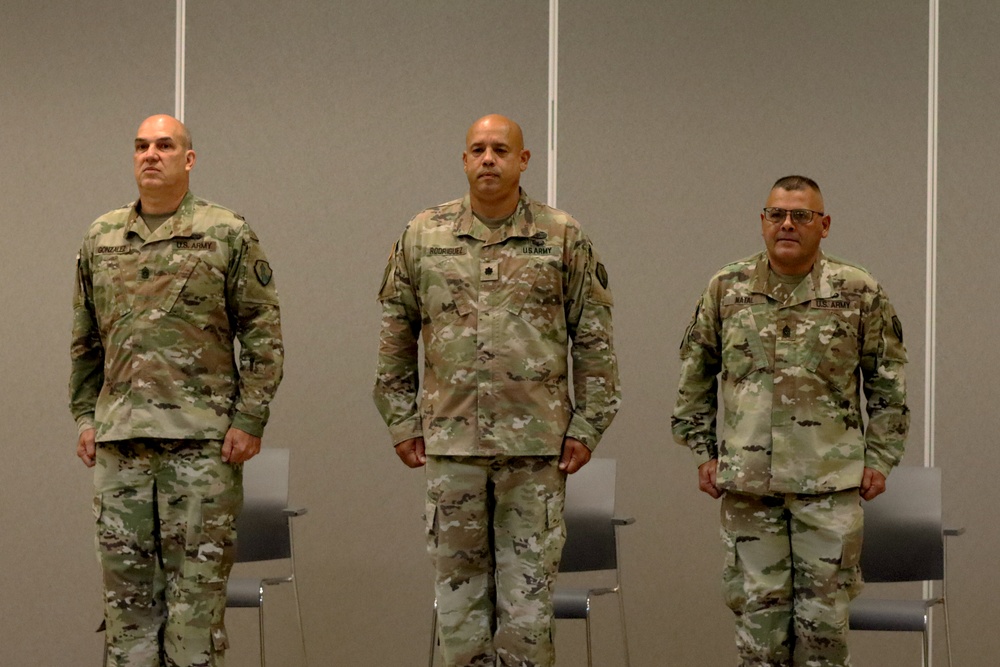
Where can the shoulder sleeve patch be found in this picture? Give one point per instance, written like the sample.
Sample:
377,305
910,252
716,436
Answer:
263,272
602,275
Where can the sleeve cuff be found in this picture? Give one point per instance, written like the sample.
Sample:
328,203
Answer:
84,422
249,423
582,430
410,428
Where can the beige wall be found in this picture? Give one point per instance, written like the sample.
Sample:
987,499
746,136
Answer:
329,124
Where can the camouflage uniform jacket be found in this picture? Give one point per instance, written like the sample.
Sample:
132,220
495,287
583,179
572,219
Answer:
154,316
496,312
791,375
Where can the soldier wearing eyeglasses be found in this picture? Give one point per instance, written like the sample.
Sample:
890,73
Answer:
798,341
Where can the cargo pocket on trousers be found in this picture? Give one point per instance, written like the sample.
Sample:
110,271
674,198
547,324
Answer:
97,506
732,579
220,640
850,577
555,505
430,522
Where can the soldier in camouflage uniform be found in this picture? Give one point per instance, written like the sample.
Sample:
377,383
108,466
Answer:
793,335
497,286
163,286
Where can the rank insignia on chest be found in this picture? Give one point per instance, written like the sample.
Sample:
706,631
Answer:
490,271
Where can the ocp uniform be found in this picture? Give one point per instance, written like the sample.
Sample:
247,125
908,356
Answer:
496,312
164,311
790,372
153,372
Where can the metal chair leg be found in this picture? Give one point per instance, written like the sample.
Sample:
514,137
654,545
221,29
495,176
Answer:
434,618
261,623
590,657
621,613
925,649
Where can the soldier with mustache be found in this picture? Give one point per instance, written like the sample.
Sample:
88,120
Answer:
796,339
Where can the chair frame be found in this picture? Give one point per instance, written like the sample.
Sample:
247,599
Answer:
273,551
916,528
617,522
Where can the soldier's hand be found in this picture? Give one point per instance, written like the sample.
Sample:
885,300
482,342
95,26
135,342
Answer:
872,483
575,455
411,452
707,477
86,448
239,446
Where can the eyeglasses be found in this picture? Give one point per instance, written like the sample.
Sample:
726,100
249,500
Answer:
800,216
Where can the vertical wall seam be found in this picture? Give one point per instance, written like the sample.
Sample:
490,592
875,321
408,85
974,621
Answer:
930,316
553,101
931,286
180,48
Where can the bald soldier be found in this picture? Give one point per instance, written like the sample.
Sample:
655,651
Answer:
165,411
499,288
799,341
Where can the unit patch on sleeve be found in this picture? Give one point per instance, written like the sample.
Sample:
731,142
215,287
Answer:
263,272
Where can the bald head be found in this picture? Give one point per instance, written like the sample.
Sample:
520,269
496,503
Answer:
494,158
167,125
498,123
163,161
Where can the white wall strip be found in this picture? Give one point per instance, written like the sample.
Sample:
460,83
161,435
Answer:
930,351
180,49
553,99
930,316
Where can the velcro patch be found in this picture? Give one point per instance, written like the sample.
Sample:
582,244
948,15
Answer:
263,272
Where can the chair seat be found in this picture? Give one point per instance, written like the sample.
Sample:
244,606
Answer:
889,615
571,602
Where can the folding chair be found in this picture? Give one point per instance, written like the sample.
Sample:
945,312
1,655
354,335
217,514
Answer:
904,541
264,533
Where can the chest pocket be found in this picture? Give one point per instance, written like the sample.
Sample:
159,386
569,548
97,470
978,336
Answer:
197,293
445,291
742,349
834,355
536,293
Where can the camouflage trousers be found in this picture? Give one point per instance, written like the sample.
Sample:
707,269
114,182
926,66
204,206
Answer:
165,513
791,570
495,533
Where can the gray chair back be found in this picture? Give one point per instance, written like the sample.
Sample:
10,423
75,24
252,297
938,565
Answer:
904,539
589,518
262,531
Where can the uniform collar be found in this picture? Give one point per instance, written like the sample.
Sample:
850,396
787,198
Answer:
521,225
812,286
180,224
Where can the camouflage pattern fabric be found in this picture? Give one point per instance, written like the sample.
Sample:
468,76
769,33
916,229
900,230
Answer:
497,312
790,372
165,513
791,443
154,318
495,533
791,572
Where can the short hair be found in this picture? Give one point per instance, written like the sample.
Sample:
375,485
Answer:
796,182
186,138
